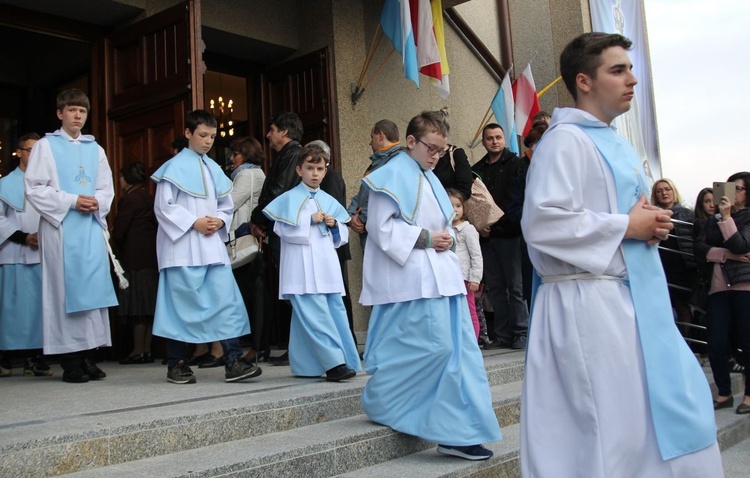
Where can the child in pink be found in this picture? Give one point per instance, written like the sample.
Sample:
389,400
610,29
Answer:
468,252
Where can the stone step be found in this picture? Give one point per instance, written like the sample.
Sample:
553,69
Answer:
320,450
737,460
354,447
135,414
732,429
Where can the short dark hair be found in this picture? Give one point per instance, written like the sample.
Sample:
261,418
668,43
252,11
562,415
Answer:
541,116
249,148
322,145
134,173
289,122
583,55
27,137
427,122
180,143
73,97
312,153
198,117
743,176
491,126
388,128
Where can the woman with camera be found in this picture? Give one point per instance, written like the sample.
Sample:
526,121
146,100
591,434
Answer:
725,242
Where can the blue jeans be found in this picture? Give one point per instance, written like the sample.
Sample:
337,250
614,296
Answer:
177,350
728,312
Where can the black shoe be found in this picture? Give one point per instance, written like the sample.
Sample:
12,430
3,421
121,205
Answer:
519,343
280,360
497,344
212,362
180,373
254,357
144,357
239,370
725,404
95,373
75,376
199,359
339,373
474,452
743,409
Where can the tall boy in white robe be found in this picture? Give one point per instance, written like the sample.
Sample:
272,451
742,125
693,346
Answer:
610,387
198,300
69,182
20,271
311,225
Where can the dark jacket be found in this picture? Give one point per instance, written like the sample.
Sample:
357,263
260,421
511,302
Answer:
710,236
134,231
457,175
679,268
280,178
500,178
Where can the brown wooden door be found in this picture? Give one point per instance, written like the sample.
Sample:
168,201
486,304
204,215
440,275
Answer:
153,79
304,86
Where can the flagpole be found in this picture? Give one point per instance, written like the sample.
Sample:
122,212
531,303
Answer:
548,87
482,124
382,64
370,53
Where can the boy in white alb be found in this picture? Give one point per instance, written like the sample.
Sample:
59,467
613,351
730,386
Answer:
311,225
428,377
610,388
20,271
69,182
198,300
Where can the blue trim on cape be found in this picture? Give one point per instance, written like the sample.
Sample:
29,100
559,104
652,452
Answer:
678,393
402,179
12,191
288,207
184,172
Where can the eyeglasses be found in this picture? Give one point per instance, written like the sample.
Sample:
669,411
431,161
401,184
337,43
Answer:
432,150
28,150
739,189
664,190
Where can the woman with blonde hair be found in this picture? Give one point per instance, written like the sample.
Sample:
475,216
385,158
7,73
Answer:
676,251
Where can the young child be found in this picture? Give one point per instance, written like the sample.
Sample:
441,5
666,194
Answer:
69,182
428,377
469,253
311,225
20,272
198,299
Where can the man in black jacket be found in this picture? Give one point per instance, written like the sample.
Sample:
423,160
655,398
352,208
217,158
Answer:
501,243
284,134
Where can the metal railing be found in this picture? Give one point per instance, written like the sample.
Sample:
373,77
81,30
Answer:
686,240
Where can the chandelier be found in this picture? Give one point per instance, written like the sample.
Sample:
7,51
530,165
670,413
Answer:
223,113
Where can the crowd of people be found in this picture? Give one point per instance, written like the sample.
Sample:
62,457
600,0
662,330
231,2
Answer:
574,207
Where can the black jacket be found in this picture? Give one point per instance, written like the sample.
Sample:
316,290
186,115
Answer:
500,178
710,236
280,178
457,175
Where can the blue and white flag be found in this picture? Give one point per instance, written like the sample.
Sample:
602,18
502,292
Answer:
396,23
503,107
